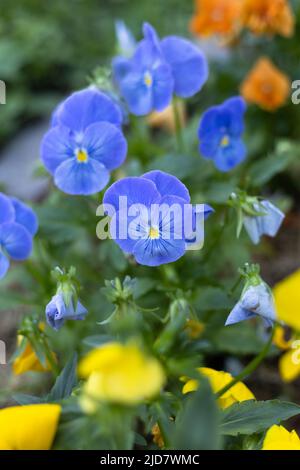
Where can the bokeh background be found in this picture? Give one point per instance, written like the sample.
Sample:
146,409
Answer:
48,49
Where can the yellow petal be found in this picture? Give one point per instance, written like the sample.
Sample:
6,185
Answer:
278,438
289,368
28,361
279,339
121,374
219,379
29,427
287,300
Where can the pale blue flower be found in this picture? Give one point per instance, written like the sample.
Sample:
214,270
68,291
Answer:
257,300
57,312
266,224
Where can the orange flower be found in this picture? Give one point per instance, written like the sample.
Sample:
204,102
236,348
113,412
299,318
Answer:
266,86
215,17
268,17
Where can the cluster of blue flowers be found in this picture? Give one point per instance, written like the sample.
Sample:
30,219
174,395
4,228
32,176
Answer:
84,143
157,70
18,225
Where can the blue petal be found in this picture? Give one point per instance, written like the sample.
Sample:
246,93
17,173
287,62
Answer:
137,190
188,63
253,228
208,210
168,185
209,132
25,216
4,265
73,177
55,312
196,236
7,211
238,314
259,300
78,314
151,35
125,39
147,54
156,252
121,68
16,240
57,146
106,143
268,224
125,230
138,96
236,106
86,107
163,85
273,220
229,157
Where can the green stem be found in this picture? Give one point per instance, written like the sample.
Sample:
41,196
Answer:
51,360
250,367
178,126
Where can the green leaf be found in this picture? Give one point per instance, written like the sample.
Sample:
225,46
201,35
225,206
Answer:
95,341
263,170
252,416
197,423
65,382
24,399
239,339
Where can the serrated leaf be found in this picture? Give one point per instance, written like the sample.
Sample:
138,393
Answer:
252,416
65,382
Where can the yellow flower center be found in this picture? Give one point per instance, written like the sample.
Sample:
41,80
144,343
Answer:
148,79
225,141
82,156
153,233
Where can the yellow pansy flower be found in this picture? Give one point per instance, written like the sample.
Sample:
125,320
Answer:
287,300
278,438
289,362
29,427
119,373
28,360
219,379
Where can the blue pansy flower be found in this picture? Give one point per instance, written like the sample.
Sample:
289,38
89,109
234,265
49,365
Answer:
57,312
154,231
267,223
220,134
256,299
85,143
157,69
18,225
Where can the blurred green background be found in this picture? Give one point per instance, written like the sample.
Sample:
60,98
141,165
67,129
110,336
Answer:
50,48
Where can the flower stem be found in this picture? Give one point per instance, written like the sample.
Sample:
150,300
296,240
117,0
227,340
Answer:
178,126
51,360
250,367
